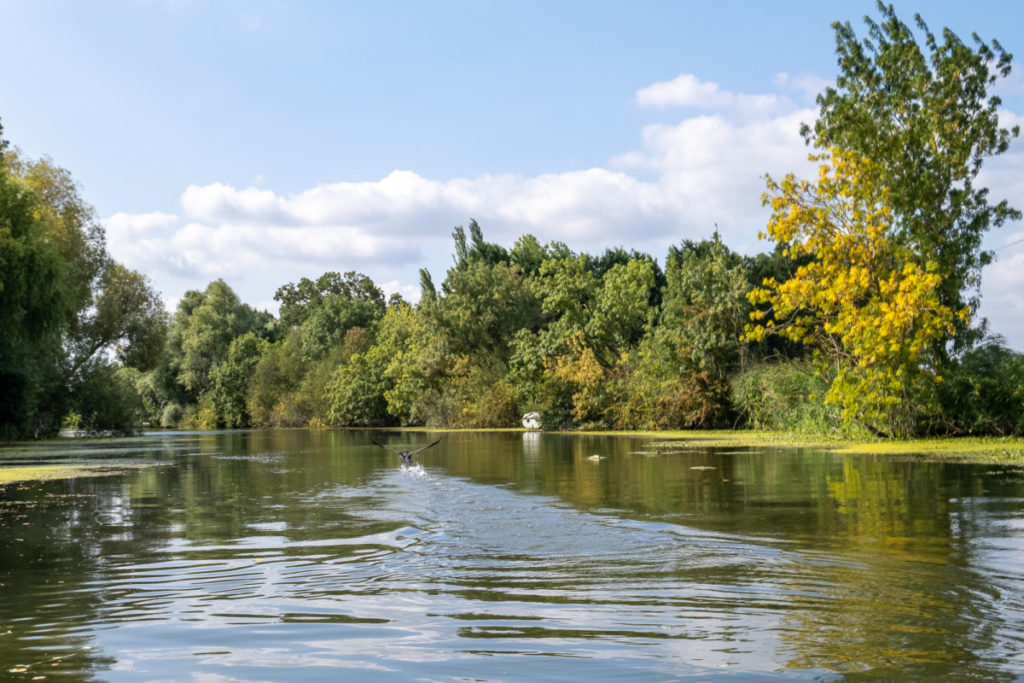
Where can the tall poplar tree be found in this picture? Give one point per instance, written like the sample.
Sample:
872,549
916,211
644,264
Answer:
926,118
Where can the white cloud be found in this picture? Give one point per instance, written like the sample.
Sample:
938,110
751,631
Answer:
702,171
685,179
223,203
687,90
125,225
1002,299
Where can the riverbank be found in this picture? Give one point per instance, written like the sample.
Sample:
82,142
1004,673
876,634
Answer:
981,449
953,449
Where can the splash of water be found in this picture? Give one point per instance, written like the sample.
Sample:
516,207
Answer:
415,471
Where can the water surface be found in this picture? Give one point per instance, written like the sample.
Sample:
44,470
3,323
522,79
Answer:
295,555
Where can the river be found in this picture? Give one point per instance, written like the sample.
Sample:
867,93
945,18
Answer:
507,556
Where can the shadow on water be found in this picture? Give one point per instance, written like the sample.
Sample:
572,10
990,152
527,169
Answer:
294,555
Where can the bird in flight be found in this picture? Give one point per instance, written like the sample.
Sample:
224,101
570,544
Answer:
406,455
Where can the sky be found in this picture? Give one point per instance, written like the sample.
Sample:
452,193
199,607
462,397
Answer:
263,141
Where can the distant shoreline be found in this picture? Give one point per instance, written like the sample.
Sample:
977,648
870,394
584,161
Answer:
968,449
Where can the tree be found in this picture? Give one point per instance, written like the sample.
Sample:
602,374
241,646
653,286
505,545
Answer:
327,308
199,341
231,379
982,393
705,305
33,305
273,397
486,298
927,122
860,298
357,392
126,316
209,328
565,286
622,312
105,400
66,307
680,376
419,359
327,324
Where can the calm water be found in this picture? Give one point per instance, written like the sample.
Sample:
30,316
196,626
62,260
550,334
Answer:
298,556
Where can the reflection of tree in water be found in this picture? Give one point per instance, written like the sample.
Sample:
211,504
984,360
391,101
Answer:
896,594
76,552
50,544
845,564
877,575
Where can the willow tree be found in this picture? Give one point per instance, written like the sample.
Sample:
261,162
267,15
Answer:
926,118
68,311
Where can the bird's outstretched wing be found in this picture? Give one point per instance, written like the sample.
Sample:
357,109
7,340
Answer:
423,448
393,450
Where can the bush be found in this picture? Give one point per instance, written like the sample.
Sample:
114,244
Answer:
786,396
982,393
106,402
356,393
172,415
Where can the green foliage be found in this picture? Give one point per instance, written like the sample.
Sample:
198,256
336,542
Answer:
419,360
580,374
172,415
105,401
126,317
705,306
483,305
65,305
925,117
982,393
356,300
356,393
231,379
326,309
622,313
678,375
212,344
786,396
565,285
528,254
274,397
209,322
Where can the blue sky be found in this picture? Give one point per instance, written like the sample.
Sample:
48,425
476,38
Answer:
264,141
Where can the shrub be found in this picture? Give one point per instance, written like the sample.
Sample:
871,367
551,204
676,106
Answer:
982,393
787,396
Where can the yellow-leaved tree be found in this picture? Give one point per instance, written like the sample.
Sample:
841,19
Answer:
872,313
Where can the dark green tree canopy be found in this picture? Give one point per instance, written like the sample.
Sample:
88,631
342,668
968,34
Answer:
300,300
66,308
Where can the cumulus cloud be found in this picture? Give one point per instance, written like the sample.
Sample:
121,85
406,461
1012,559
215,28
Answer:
687,90
125,225
684,180
224,204
1002,301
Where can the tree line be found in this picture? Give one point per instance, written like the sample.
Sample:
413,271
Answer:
861,318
